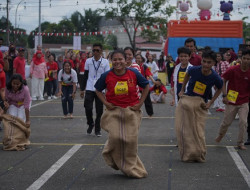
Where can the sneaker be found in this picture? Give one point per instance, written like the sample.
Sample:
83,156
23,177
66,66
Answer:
49,97
248,142
237,116
54,97
89,130
40,98
242,147
34,98
98,134
208,112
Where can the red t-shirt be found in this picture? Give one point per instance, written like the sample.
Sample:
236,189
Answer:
82,65
1,59
146,73
159,89
2,78
239,82
51,67
71,62
122,90
195,60
19,65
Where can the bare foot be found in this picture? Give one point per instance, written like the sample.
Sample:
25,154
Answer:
242,147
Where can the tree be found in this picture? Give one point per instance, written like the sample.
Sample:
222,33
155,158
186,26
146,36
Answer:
246,29
135,13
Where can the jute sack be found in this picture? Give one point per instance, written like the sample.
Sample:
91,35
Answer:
16,133
190,128
120,151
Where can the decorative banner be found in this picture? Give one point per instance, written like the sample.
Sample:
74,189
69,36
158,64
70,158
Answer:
113,31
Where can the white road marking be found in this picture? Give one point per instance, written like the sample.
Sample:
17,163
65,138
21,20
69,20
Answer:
240,164
40,103
53,169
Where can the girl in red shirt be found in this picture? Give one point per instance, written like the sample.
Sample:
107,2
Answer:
158,92
123,114
51,83
83,59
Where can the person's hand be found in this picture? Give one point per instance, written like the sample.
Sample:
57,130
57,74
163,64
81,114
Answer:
225,100
172,103
73,96
27,123
82,94
6,105
181,93
110,106
59,93
136,107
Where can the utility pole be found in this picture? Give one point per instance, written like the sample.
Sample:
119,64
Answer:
39,32
8,27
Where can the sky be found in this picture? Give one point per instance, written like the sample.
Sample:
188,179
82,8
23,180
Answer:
27,16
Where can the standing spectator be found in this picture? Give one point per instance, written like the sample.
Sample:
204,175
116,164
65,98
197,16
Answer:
2,87
12,54
148,75
19,63
52,73
236,93
83,59
38,72
221,68
161,63
67,78
60,62
153,68
94,67
195,59
89,54
170,64
18,97
68,58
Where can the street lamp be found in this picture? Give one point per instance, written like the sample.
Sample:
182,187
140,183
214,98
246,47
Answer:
16,16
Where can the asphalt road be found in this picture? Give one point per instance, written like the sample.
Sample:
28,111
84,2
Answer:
62,156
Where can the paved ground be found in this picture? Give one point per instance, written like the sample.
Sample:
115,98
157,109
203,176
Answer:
62,156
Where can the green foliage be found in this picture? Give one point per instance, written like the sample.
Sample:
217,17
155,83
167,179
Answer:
246,29
135,13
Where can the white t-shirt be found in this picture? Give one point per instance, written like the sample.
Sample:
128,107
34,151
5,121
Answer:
95,68
67,79
153,68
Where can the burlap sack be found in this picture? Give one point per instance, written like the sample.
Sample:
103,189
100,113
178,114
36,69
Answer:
190,129
120,151
16,133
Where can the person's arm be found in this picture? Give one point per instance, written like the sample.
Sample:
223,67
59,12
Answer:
184,84
101,96
6,62
224,92
85,79
27,115
144,94
208,104
74,91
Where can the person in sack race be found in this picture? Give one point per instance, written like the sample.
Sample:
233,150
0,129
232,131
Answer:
180,71
236,93
17,95
38,72
94,67
192,108
67,79
122,116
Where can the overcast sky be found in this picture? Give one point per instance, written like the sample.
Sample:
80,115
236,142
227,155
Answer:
27,12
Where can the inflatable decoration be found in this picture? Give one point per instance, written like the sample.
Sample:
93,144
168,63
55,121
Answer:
184,6
226,8
204,6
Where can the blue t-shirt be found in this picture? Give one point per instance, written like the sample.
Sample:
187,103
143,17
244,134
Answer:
200,85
